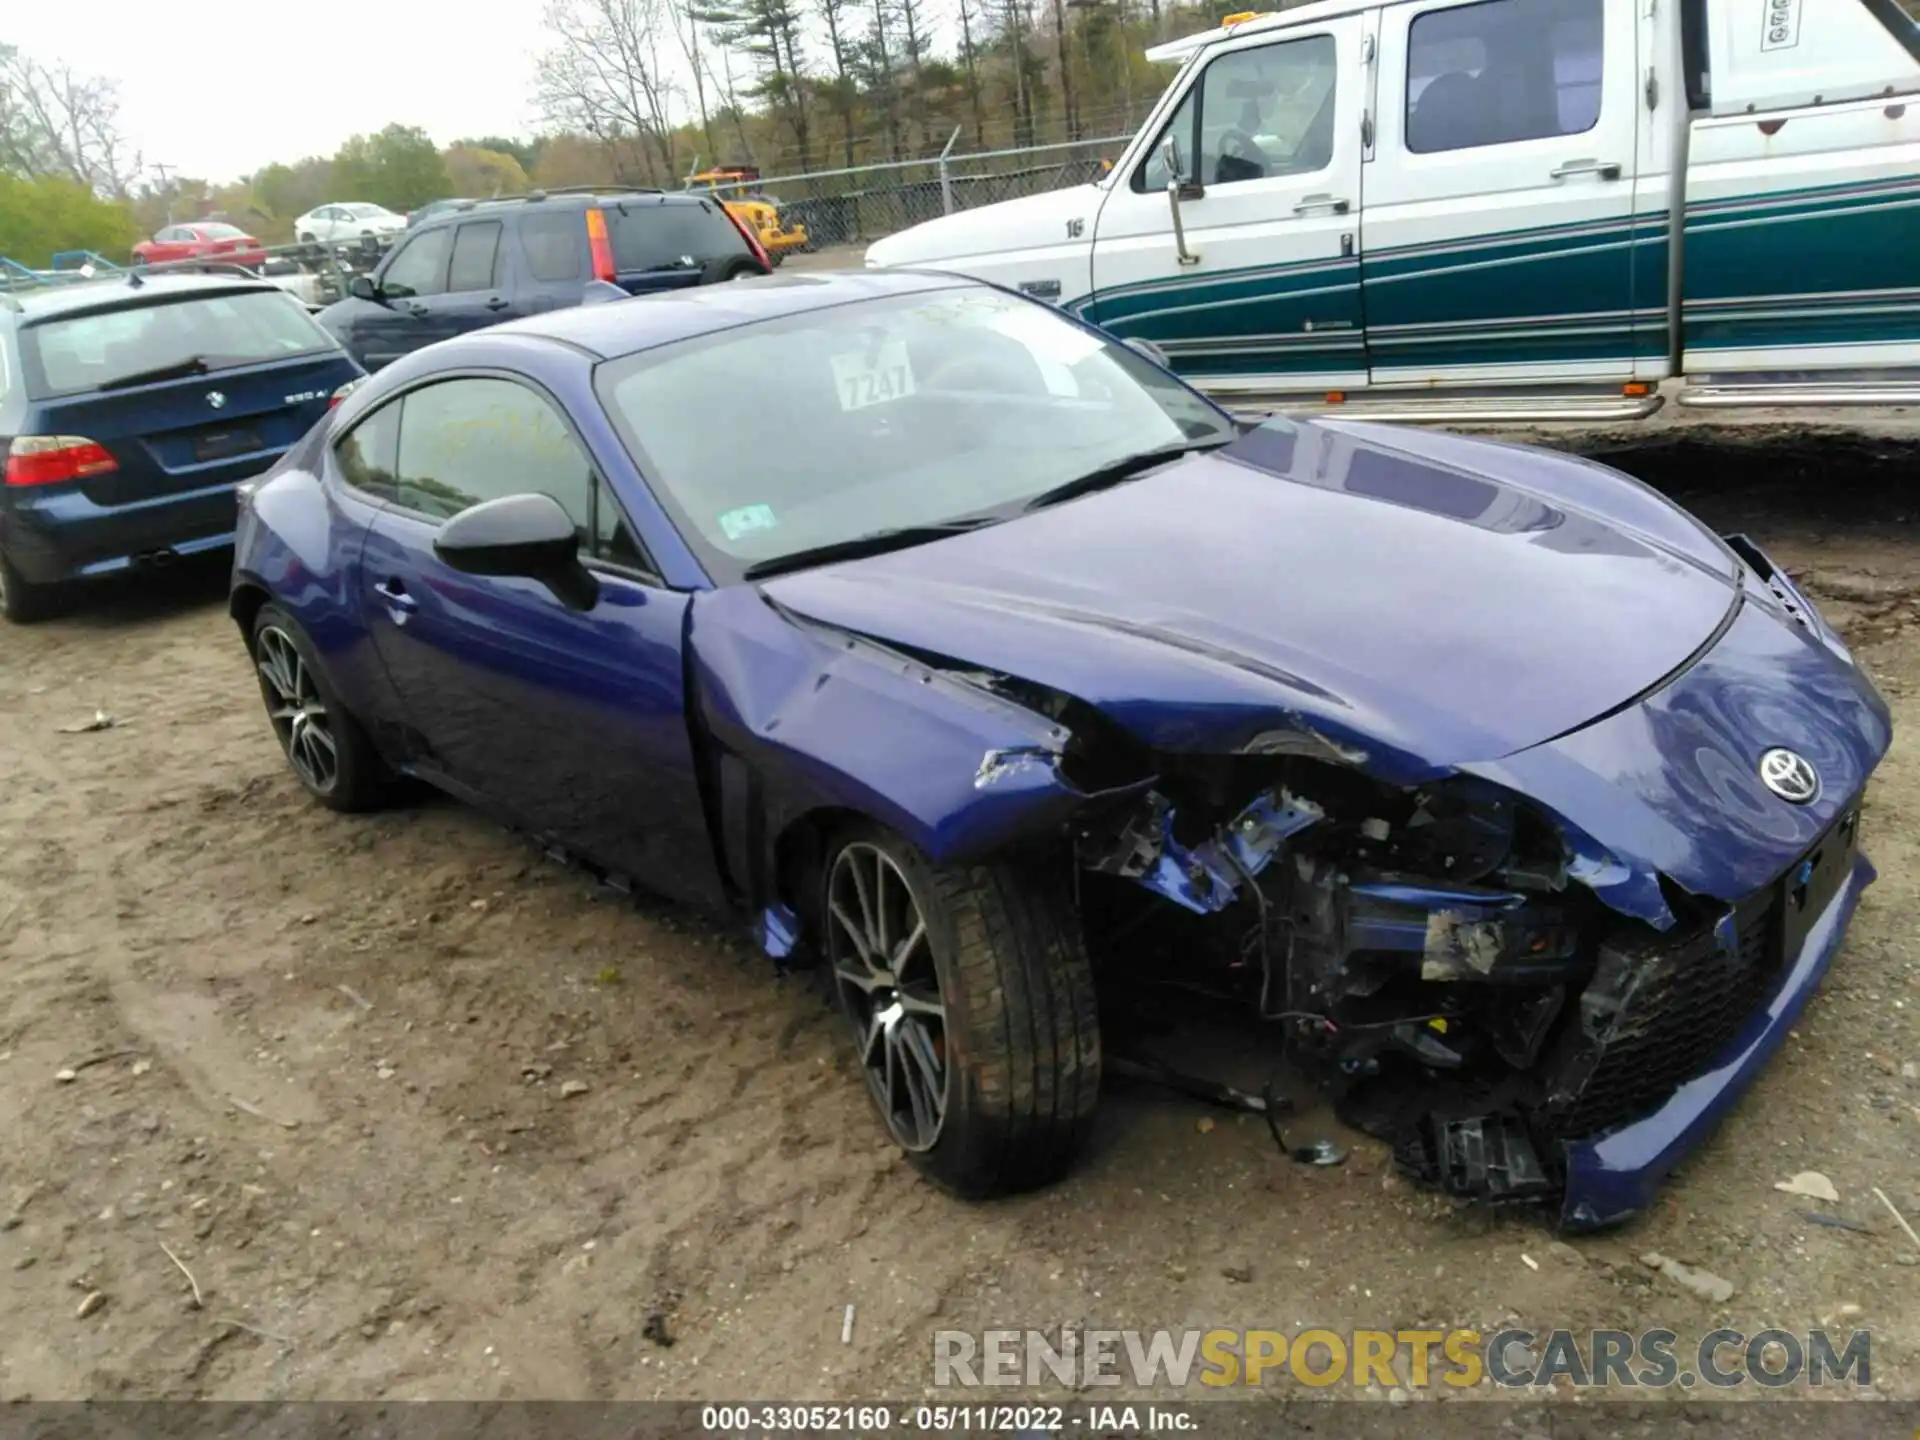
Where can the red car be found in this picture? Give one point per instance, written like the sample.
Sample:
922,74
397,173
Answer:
202,240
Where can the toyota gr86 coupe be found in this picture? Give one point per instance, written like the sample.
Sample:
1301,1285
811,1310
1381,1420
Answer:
971,656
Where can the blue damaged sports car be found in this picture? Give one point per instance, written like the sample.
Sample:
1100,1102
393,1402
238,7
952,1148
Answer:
974,657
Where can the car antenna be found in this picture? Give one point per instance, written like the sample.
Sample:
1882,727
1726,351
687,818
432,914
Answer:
134,282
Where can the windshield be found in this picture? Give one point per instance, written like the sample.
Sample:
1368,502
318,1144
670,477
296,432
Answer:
221,232
907,411
87,352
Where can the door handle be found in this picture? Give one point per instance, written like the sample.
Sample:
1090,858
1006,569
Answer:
497,303
1322,202
394,592
416,308
1599,169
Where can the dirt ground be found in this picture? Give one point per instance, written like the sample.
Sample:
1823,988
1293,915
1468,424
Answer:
318,1062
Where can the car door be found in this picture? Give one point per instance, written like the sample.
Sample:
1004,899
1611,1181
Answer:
326,223
1264,293
410,280
1500,224
475,295
572,723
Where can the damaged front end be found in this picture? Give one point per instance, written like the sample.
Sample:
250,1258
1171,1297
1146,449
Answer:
1441,955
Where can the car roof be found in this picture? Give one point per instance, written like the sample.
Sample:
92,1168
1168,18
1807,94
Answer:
622,327
102,292
536,201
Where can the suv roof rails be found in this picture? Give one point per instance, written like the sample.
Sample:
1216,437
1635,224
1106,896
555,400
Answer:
587,190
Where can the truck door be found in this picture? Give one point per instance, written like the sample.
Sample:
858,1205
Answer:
1263,293
1500,233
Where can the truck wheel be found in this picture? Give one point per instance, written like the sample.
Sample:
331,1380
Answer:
971,1003
23,602
328,752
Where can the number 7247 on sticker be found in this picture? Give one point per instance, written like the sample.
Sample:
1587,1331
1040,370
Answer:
873,376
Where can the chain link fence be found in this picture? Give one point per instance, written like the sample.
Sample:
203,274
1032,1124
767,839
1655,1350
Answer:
847,207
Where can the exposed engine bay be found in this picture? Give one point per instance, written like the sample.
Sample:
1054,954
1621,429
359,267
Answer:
1429,954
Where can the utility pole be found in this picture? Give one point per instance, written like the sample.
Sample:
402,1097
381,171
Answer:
166,187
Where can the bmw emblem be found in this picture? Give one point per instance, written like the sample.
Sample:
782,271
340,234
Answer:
217,398
1789,776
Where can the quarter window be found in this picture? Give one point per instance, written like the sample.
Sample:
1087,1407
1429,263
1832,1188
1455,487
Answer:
552,243
419,267
1253,114
476,248
368,455
1503,71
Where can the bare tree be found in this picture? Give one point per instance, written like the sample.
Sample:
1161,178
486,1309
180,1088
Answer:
603,76
686,30
54,122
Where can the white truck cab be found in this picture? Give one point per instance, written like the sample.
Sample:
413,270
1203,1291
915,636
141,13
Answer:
1503,209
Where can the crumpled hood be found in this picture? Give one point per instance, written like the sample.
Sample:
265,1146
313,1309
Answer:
1416,601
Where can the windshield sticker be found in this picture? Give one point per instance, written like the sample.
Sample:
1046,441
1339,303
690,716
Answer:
746,520
874,376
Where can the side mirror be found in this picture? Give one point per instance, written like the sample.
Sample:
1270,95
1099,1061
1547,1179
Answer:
528,536
363,288
1150,350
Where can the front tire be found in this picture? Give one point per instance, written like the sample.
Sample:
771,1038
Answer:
971,1002
328,752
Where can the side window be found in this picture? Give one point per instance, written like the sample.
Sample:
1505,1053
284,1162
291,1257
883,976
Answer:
477,439
369,453
1503,71
476,250
552,244
419,267
1254,114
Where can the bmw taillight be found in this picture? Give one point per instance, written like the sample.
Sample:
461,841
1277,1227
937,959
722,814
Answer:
49,459
345,390
599,247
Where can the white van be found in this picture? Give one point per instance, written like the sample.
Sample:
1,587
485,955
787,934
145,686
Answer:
1503,209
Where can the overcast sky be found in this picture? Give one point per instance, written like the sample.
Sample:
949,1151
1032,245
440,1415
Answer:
266,82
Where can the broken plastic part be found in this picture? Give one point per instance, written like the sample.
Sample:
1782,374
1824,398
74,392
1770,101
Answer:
1000,764
1489,1157
1207,877
779,931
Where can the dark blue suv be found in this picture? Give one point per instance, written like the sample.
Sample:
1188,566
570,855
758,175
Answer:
479,262
131,407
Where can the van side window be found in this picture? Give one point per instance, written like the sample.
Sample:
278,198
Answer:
1253,114
1503,71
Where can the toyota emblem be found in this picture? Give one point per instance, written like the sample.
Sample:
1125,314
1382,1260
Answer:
1789,776
216,398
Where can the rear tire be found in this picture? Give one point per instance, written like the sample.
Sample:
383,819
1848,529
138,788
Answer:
23,602
734,267
325,747
991,1005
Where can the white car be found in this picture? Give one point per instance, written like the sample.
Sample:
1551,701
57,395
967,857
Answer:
342,224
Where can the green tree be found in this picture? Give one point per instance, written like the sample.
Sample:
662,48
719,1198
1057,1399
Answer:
483,173
398,167
526,153
44,215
